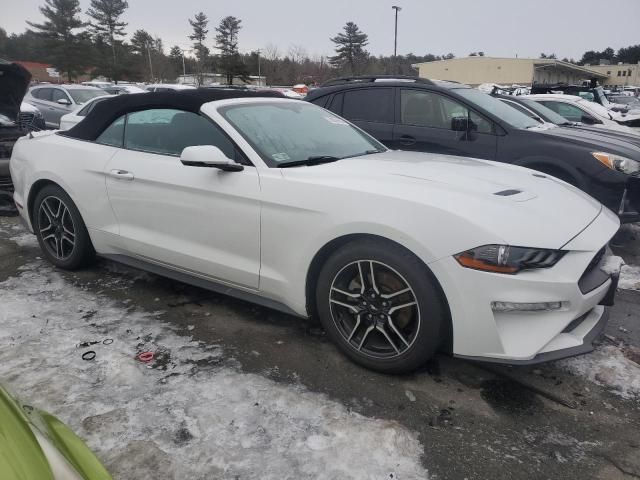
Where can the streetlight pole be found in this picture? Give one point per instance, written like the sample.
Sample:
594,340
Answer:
395,41
259,76
150,64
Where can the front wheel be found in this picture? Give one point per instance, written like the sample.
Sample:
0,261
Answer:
381,305
60,230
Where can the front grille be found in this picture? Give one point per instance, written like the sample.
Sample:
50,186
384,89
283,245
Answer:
30,121
5,183
593,277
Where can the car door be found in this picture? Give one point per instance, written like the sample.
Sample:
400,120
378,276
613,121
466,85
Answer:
425,124
59,109
370,109
201,221
41,98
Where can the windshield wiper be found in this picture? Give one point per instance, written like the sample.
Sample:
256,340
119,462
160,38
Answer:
316,160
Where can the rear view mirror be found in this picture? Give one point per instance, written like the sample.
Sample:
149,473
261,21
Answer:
64,101
460,124
208,156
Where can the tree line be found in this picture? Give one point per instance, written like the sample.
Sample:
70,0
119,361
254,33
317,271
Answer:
99,47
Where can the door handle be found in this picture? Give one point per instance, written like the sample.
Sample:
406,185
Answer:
121,174
407,140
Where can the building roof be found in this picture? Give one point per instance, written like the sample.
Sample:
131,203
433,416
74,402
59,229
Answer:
541,62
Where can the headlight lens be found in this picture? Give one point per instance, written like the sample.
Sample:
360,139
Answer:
508,259
616,162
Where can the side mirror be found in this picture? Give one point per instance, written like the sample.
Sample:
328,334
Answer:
64,101
208,156
460,124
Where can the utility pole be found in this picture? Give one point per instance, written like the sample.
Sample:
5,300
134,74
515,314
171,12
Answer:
395,41
184,68
150,64
259,76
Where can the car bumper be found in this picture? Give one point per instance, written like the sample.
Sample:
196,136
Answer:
629,210
577,283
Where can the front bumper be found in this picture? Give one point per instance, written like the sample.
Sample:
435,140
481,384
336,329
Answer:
629,210
524,337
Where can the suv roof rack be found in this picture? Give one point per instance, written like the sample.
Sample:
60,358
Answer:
374,78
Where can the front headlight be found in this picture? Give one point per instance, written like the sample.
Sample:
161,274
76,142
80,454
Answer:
616,162
507,259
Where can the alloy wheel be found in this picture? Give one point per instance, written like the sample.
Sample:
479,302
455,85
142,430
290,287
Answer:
56,228
374,308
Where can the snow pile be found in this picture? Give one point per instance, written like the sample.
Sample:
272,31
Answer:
607,366
612,265
630,278
187,414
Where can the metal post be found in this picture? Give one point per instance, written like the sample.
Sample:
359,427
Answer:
395,41
184,68
259,76
150,64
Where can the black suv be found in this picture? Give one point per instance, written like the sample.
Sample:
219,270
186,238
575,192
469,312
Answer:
409,113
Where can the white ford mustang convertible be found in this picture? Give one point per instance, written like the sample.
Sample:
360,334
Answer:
285,204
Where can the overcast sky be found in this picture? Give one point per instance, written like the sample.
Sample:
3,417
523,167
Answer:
497,27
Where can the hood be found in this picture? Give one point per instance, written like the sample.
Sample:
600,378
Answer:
514,204
28,108
623,134
599,141
14,83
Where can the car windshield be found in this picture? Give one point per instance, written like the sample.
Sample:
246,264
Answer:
507,114
544,112
81,95
283,132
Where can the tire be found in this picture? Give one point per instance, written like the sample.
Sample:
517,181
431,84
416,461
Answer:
60,230
401,336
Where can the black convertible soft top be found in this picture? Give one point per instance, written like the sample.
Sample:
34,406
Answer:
107,111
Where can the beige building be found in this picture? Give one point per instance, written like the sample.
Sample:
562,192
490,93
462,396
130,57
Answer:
507,71
619,75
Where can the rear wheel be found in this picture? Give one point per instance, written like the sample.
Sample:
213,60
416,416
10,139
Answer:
381,305
60,230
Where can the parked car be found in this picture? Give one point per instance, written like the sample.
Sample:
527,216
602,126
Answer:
36,445
450,118
285,204
168,87
630,101
30,118
54,101
576,109
579,113
123,89
71,119
14,82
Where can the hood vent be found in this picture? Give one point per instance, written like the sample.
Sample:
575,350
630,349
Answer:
508,193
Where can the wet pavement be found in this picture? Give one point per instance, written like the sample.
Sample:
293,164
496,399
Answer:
475,421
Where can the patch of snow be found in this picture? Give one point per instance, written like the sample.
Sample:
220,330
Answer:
25,240
630,278
187,414
612,265
607,366
410,395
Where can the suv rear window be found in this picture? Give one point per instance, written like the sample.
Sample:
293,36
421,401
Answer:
369,105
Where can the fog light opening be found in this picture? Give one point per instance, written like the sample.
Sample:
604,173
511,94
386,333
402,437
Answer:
525,307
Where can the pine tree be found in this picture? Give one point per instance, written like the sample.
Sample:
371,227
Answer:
68,51
176,59
350,50
107,26
199,35
227,42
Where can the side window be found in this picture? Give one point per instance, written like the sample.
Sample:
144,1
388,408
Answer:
336,104
113,135
427,109
570,112
322,101
58,94
369,105
521,109
169,131
43,93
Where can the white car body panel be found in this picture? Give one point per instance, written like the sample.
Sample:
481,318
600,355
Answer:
259,229
71,119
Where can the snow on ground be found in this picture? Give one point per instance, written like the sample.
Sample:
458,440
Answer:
607,366
190,414
630,277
